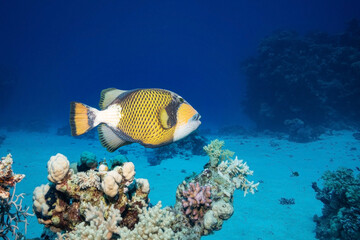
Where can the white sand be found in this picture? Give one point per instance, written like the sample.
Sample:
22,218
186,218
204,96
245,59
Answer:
258,216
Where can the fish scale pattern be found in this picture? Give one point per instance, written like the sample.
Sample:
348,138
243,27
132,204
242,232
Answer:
140,116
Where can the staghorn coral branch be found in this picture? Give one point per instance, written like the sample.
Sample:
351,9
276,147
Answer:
12,214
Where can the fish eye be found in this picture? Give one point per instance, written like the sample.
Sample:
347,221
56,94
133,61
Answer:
181,99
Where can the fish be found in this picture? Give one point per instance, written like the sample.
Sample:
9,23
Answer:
149,116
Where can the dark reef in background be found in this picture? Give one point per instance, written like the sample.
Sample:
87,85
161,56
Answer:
314,78
187,147
66,131
341,211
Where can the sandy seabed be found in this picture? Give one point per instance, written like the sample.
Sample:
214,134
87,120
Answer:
256,217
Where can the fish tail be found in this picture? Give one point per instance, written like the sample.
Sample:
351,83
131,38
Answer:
82,118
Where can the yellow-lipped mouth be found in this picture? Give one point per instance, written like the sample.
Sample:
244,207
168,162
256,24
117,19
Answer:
185,113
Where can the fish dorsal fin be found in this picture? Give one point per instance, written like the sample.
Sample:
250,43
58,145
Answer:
164,118
108,95
109,139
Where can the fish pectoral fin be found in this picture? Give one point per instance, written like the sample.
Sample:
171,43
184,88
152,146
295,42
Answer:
109,139
108,95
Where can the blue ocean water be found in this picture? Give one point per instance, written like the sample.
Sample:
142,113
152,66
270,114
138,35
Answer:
280,78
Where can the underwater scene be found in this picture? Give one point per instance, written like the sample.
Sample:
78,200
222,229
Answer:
185,120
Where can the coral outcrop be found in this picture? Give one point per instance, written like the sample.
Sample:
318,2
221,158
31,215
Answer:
117,205
314,78
7,178
341,210
61,205
58,168
12,212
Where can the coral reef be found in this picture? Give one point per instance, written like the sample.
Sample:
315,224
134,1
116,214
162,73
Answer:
87,161
301,133
118,160
356,135
7,178
11,210
341,211
120,207
216,154
313,78
61,205
58,168
196,201
187,147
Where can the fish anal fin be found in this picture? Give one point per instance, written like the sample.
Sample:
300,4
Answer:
108,95
109,139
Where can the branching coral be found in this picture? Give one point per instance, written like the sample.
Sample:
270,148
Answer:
120,209
11,210
341,211
236,171
158,223
196,201
215,152
101,222
223,175
87,179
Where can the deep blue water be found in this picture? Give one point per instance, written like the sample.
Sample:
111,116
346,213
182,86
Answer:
55,52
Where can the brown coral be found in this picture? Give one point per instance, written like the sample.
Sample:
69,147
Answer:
196,201
7,177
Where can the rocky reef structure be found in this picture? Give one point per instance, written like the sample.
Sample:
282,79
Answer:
187,147
341,211
113,204
313,78
12,213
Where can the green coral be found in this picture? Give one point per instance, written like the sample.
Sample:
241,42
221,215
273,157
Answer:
216,154
343,182
87,161
118,160
341,211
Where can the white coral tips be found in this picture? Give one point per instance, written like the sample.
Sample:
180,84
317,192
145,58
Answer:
58,167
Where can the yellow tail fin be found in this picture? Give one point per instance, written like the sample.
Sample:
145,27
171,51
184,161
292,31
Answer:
81,118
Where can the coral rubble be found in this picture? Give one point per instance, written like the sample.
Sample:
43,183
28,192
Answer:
11,210
115,205
313,78
341,211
